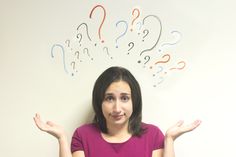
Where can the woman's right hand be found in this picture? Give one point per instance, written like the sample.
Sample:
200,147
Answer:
178,129
49,127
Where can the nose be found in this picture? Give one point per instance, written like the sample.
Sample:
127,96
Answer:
117,107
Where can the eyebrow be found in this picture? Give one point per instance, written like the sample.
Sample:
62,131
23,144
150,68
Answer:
125,94
120,94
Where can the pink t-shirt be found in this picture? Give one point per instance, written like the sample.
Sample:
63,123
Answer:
89,139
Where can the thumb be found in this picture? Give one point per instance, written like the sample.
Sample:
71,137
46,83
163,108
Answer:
50,123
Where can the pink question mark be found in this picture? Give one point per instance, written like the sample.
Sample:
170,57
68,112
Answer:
179,67
135,17
103,19
166,58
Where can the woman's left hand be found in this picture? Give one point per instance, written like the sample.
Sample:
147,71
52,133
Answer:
178,129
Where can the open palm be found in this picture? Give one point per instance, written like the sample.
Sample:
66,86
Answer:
178,129
49,127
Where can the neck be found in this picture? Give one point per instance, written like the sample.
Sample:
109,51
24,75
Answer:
117,130
117,134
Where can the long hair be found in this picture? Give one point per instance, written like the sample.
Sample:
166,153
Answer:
114,74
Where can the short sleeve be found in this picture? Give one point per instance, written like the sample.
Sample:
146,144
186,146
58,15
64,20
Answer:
154,136
76,141
158,139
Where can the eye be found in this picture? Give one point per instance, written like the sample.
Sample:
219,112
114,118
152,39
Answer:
125,98
109,98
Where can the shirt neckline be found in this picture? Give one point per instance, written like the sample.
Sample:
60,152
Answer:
114,143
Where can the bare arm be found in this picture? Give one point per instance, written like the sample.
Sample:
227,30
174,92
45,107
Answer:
174,132
58,132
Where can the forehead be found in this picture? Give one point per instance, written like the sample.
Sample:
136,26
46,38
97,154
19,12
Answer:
120,86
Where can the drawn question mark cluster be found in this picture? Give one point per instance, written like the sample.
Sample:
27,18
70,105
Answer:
80,46
160,67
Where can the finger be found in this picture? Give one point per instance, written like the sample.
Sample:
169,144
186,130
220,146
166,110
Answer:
196,123
179,123
36,120
37,115
192,126
39,123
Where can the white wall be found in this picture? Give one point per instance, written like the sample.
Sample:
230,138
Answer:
32,81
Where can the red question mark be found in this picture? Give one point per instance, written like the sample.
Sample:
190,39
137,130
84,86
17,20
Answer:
103,19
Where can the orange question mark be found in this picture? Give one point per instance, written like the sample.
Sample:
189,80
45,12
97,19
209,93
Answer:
103,19
135,17
166,58
179,68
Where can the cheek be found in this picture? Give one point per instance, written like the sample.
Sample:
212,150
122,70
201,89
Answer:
129,110
105,110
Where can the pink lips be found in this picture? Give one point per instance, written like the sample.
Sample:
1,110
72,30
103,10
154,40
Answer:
117,117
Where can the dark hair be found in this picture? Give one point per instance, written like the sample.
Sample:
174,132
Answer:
114,74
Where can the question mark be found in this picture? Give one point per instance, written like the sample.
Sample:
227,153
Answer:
158,35
139,27
68,42
161,79
77,55
174,42
85,50
126,28
63,54
73,64
86,26
79,36
146,31
166,58
160,70
179,67
106,49
103,19
146,59
158,38
135,17
131,45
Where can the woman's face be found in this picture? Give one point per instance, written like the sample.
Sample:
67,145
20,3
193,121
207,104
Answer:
117,104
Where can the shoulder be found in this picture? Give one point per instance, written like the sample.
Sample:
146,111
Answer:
87,128
83,137
151,128
154,135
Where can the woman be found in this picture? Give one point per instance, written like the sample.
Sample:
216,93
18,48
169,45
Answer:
117,129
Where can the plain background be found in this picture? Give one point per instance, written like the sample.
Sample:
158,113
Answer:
32,81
